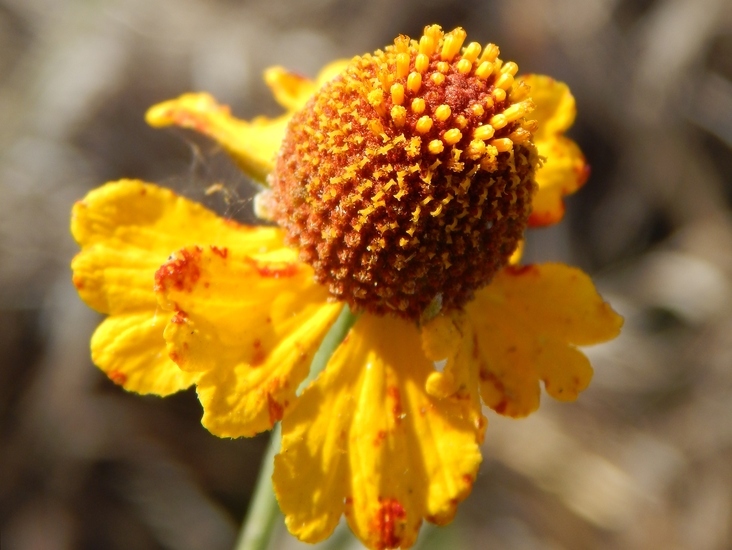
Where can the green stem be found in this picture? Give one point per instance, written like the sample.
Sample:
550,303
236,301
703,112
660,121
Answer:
262,515
259,525
332,340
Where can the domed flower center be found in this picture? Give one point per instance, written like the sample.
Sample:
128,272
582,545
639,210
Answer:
407,180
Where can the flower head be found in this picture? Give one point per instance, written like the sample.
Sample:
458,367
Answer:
403,163
402,183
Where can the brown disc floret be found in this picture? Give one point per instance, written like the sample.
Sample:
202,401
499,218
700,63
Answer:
408,178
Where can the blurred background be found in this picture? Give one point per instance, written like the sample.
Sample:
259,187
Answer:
642,460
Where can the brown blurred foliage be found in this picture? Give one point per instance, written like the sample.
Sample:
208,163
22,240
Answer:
642,460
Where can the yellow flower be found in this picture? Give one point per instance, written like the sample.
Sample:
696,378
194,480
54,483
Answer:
401,183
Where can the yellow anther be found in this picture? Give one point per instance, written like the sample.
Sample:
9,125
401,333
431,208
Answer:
413,148
490,53
488,102
452,136
436,147
461,122
385,79
398,115
530,125
428,42
505,81
452,44
424,124
520,91
435,31
376,100
437,78
443,66
484,132
418,105
499,94
498,121
488,162
510,68
484,70
402,65
397,94
476,149
414,81
421,62
402,43
472,51
520,136
514,112
477,110
442,113
376,97
464,66
497,64
426,45
502,144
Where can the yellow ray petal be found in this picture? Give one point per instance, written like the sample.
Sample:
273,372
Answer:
528,322
115,276
330,71
509,383
147,217
250,325
128,348
367,432
126,230
292,90
252,145
450,340
555,108
564,170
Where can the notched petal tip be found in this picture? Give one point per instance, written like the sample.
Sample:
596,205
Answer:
530,321
252,349
128,349
94,218
368,435
450,341
126,230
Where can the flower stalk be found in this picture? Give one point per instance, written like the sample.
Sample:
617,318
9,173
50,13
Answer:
261,520
259,524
